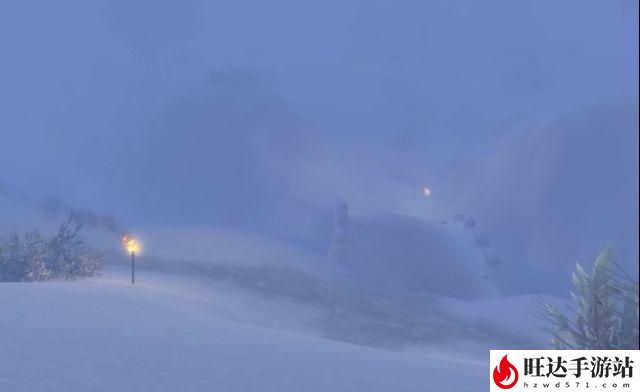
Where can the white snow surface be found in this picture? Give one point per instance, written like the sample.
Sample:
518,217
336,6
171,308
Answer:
113,337
217,310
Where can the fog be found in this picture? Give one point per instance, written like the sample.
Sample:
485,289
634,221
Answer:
339,195
258,116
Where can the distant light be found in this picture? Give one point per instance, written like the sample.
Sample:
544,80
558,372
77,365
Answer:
426,191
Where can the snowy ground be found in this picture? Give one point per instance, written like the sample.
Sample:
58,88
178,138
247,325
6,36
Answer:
259,316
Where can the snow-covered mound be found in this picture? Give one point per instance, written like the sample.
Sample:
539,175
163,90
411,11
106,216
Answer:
438,258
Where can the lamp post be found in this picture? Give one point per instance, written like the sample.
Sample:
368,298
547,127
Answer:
132,246
133,267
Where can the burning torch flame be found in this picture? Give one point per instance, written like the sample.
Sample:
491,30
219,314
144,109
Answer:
130,244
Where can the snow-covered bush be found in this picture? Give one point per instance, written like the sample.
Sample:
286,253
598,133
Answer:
606,309
34,256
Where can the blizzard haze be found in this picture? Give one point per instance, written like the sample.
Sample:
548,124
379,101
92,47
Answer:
370,178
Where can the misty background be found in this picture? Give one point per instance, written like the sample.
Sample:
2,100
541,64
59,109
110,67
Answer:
258,116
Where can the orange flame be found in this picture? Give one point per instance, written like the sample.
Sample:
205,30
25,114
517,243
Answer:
130,244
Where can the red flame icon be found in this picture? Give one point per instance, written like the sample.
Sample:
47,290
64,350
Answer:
505,372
